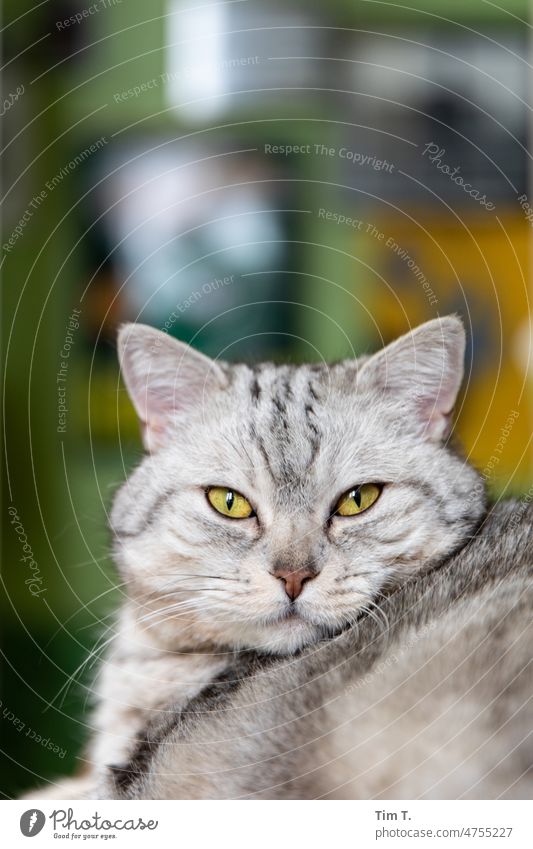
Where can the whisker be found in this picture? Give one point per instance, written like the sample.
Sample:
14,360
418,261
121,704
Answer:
66,686
175,616
179,576
84,606
192,603
102,620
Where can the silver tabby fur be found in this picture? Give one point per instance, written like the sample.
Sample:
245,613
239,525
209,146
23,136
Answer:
202,594
431,700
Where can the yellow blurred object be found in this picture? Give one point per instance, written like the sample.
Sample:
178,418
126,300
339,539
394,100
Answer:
428,265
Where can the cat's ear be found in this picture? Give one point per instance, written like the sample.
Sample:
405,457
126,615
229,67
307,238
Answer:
422,371
164,379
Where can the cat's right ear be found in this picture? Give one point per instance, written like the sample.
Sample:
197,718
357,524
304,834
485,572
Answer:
421,372
164,379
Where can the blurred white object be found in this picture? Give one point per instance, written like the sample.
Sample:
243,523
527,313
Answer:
219,56
194,55
178,217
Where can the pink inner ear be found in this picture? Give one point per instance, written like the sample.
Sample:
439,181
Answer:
438,424
437,414
154,433
159,406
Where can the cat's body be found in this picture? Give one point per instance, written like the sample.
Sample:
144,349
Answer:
345,490
436,705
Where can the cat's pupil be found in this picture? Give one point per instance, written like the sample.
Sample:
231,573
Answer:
230,499
356,495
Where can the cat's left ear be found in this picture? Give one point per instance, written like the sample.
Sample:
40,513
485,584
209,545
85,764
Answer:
165,379
421,373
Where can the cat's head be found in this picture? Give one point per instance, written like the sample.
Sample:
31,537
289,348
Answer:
277,501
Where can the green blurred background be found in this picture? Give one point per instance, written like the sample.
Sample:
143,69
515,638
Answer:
264,180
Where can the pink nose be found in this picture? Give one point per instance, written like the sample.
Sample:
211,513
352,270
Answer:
294,580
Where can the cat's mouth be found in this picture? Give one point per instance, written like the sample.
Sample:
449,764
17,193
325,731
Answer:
288,614
293,615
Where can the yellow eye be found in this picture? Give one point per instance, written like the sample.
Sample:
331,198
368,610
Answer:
229,503
358,499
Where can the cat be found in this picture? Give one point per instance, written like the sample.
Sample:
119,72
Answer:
432,699
274,504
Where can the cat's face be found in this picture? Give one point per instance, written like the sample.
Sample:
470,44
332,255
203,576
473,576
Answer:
281,567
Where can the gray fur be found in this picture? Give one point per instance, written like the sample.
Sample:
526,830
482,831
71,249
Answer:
292,439
271,733
204,599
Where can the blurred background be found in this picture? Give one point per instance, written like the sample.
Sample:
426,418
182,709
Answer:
286,180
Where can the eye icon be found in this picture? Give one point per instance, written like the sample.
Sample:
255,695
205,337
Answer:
32,822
